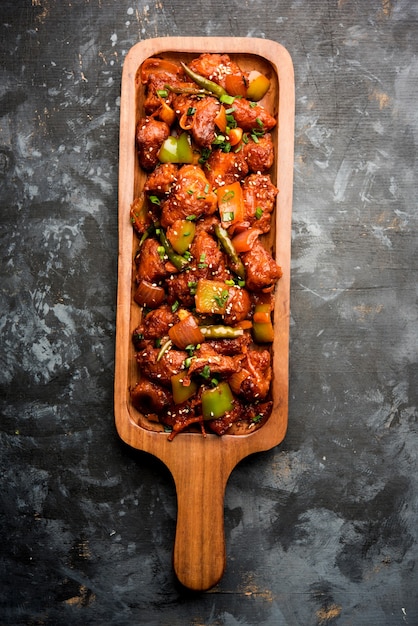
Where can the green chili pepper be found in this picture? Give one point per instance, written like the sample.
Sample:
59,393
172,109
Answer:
227,245
218,331
204,83
216,402
189,91
150,230
176,259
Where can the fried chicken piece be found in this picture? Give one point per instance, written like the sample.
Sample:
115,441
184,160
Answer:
257,413
257,365
224,168
149,264
261,270
230,347
206,253
170,363
157,82
259,195
249,116
216,67
161,180
181,417
252,418
181,287
203,124
157,322
148,397
237,307
207,223
183,102
192,195
220,364
221,425
150,135
259,154
208,262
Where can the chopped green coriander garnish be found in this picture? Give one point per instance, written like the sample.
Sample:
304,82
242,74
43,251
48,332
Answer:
219,139
206,152
202,264
205,371
192,285
222,298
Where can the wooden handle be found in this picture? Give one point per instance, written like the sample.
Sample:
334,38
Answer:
199,548
201,466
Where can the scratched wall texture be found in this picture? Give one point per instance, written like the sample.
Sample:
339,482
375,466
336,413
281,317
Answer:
321,530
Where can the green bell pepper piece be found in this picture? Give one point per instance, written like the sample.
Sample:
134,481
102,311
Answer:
180,262
182,392
183,237
176,150
216,402
263,332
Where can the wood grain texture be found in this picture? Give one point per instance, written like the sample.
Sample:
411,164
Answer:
201,465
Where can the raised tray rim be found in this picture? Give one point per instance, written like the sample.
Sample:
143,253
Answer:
274,430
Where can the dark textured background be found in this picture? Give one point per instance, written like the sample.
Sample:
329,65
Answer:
324,528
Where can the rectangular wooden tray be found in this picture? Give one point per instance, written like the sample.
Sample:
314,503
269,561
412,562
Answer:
202,465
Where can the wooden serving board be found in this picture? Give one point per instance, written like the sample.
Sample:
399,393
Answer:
201,465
